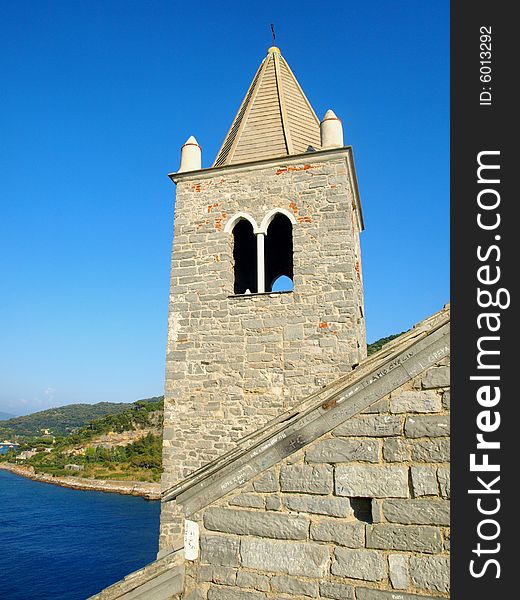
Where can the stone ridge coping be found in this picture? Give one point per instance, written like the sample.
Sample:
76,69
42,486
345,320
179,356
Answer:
395,364
170,566
317,156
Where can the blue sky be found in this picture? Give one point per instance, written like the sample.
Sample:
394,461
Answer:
98,97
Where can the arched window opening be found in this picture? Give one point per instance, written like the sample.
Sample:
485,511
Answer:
279,254
244,255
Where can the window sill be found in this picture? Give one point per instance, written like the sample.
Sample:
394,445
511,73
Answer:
256,294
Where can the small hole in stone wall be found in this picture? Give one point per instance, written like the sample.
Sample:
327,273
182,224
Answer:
362,508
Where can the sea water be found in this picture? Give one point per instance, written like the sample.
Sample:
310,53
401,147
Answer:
64,544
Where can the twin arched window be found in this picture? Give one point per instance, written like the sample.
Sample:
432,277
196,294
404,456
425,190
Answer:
263,256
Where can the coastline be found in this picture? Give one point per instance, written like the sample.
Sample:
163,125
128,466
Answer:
148,490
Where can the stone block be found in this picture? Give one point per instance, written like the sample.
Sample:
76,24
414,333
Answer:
294,587
319,505
372,481
292,558
413,401
424,481
196,595
381,406
256,581
372,594
359,564
443,476
431,572
340,450
309,479
273,502
351,535
446,397
262,524
427,426
336,591
293,332
267,482
226,593
412,538
396,450
398,571
370,426
377,510
220,550
217,574
431,450
436,377
418,512
248,501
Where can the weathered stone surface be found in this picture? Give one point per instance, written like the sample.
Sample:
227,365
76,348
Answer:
248,501
372,594
267,482
339,450
319,505
436,377
262,524
256,581
336,591
431,450
447,541
381,406
370,426
419,512
293,558
217,574
359,564
427,426
446,397
414,538
196,595
443,476
273,502
226,593
431,572
424,481
398,571
396,450
220,550
412,401
312,479
372,481
334,530
377,510
295,587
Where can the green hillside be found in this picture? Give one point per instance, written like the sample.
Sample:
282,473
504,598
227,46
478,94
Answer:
378,344
63,420
90,452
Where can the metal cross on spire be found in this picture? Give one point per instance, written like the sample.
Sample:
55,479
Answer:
273,33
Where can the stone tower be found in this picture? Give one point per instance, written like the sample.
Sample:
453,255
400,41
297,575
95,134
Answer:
266,301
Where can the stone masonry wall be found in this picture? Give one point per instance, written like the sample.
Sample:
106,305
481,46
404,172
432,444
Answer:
234,362
297,531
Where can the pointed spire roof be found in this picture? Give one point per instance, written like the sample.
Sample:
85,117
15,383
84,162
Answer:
274,119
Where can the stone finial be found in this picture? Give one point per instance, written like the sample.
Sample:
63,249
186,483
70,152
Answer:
191,156
331,131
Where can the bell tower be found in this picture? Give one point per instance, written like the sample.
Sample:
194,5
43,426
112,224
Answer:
266,301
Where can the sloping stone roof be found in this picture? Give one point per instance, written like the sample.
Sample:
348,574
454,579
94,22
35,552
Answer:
375,377
275,118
